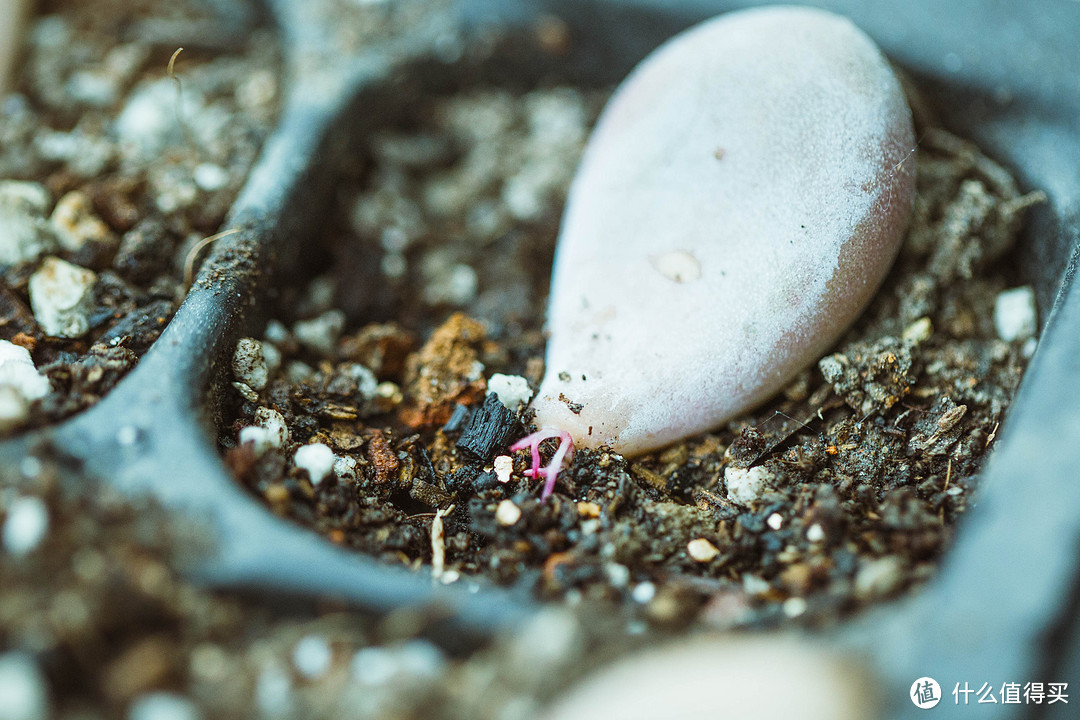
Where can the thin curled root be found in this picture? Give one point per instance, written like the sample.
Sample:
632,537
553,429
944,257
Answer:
549,473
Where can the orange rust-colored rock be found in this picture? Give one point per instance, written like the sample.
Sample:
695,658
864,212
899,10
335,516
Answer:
446,371
383,458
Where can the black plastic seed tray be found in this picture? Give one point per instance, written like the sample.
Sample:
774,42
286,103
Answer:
1004,74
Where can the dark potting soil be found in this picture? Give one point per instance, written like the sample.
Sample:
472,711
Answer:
118,170
441,251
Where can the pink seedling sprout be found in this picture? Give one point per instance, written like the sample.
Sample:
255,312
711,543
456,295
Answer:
565,451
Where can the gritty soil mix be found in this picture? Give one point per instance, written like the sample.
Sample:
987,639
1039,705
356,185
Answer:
841,491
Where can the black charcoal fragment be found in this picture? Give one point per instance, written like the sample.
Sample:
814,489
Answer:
490,428
457,419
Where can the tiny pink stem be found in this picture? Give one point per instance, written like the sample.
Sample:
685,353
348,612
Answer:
565,451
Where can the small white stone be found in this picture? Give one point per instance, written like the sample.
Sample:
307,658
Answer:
85,155
317,459
208,662
247,393
1015,314
17,370
419,659
507,513
249,364
919,331
512,390
26,526
504,467
387,397
312,656
210,177
52,32
277,333
259,438
257,90
319,295
275,424
24,231
523,196
30,467
456,285
272,356
393,265
74,222
298,371
815,533
794,607
367,385
345,468
393,239
643,593
617,574
24,694
148,123
550,638
163,706
373,666
745,486
701,550
754,585
273,692
775,521
556,118
172,194
14,409
320,334
98,89
61,295
878,578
